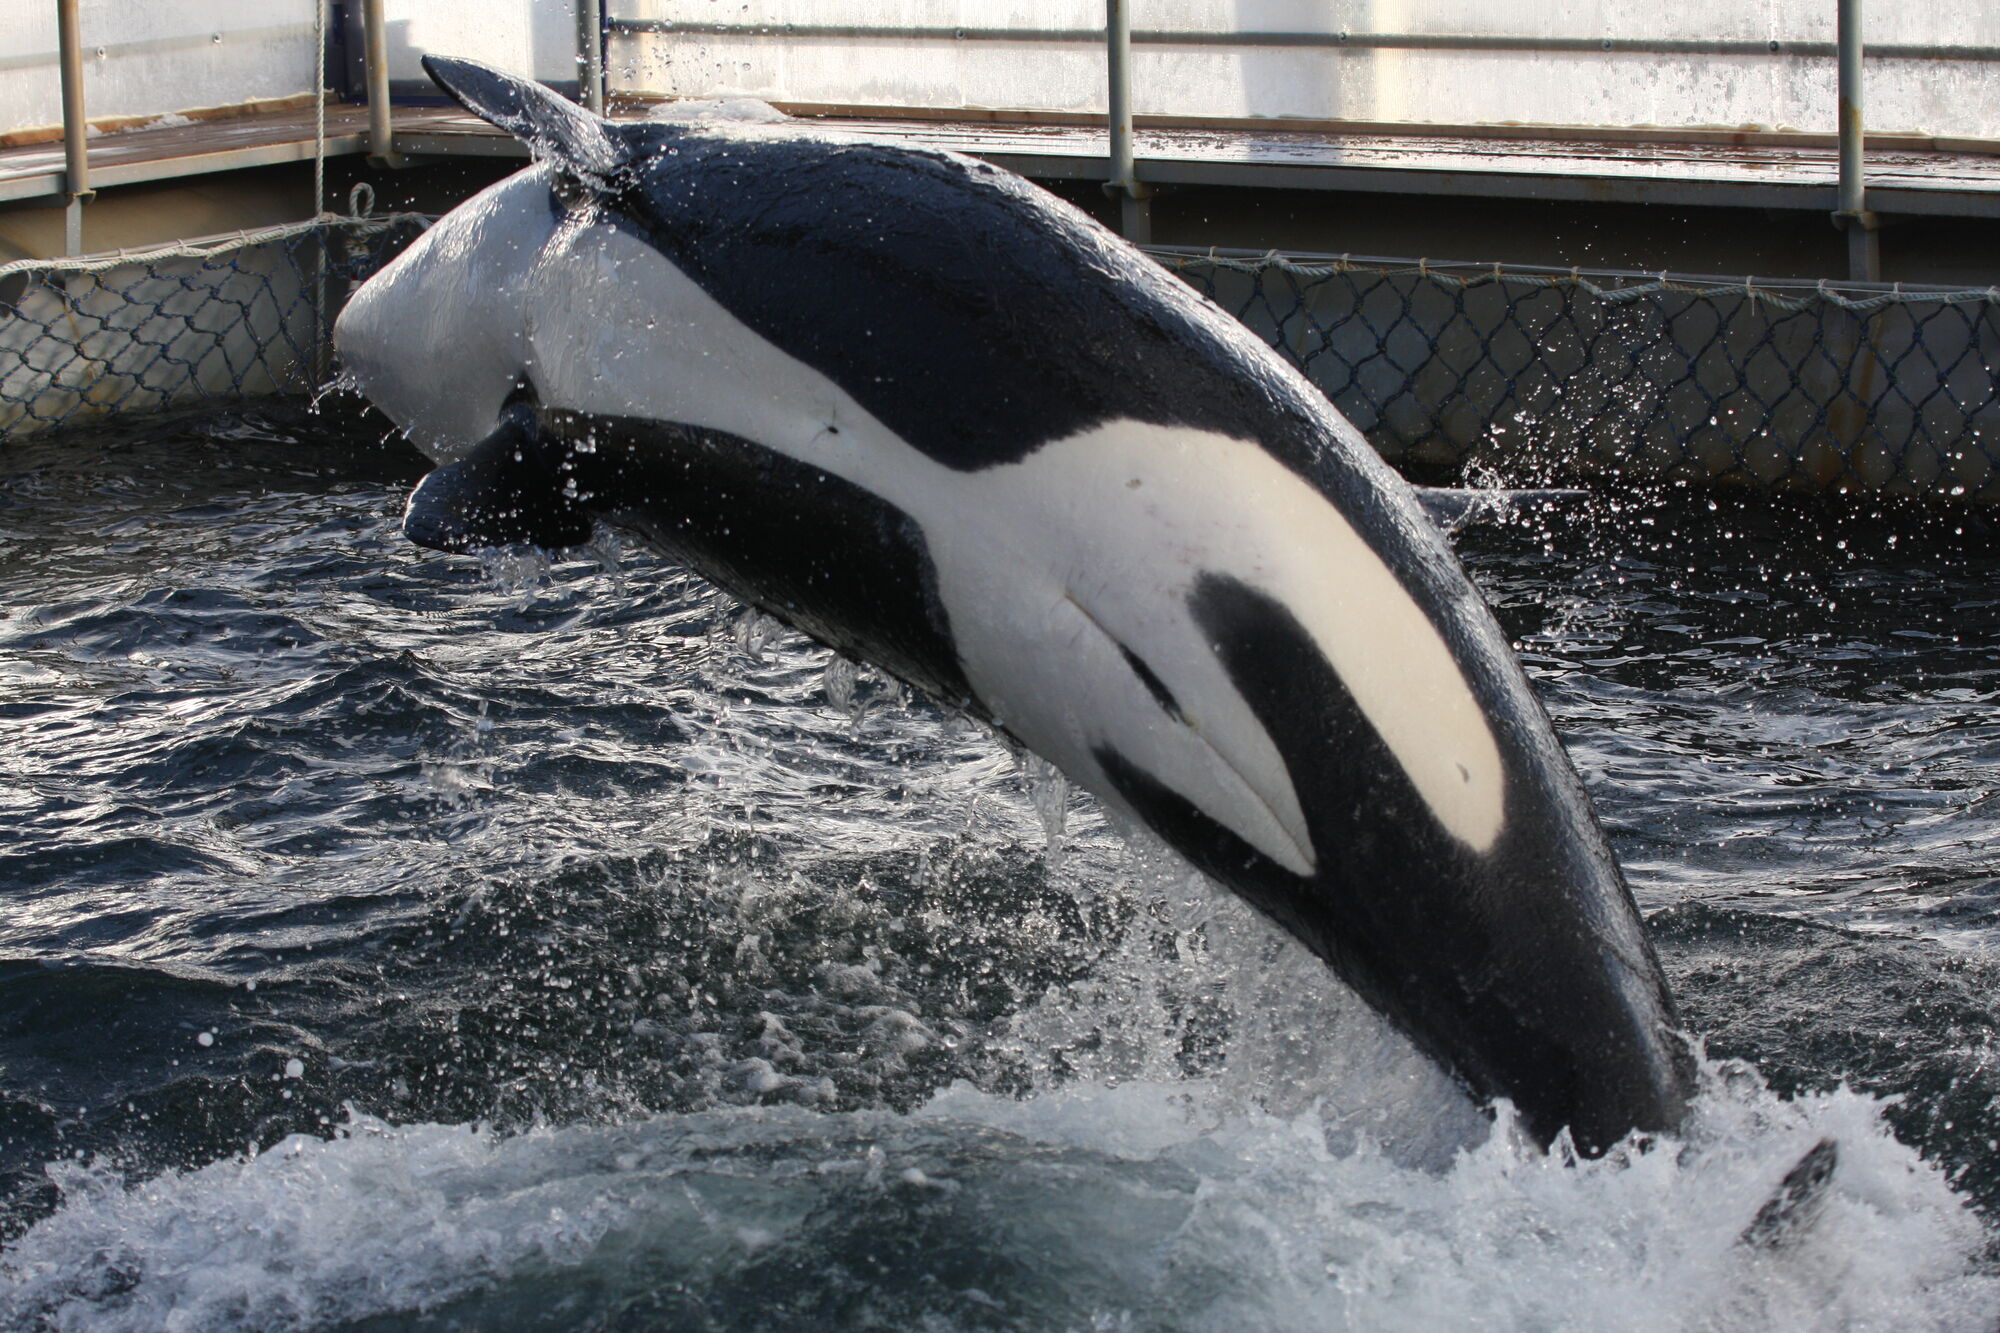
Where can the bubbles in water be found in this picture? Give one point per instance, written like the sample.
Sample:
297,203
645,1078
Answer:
754,631
515,569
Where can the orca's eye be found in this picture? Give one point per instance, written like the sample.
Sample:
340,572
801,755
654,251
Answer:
572,193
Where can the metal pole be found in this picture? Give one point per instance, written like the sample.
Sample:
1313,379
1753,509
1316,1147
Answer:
1864,249
590,54
76,154
1135,210
375,43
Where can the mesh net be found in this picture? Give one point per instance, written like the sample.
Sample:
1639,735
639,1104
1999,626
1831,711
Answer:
237,317
1533,375
1544,375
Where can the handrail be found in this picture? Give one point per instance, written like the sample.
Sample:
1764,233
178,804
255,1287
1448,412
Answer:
1382,41
76,126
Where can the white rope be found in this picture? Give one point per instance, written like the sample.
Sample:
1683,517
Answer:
1786,295
208,247
319,108
322,349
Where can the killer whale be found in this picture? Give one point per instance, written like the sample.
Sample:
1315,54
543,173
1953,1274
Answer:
941,421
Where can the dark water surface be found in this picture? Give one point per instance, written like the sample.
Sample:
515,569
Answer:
388,941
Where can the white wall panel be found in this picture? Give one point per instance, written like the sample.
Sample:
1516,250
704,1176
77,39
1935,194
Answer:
144,56
530,37
1588,87
157,56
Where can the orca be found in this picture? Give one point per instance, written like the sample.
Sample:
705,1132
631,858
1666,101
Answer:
942,421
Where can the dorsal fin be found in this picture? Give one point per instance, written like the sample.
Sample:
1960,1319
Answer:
557,130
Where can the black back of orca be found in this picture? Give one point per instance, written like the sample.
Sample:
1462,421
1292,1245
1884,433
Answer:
947,297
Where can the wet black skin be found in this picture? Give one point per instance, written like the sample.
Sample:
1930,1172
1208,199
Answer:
979,319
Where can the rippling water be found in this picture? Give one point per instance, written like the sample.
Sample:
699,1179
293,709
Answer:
395,942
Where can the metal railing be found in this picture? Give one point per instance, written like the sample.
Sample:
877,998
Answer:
1127,180
1308,39
76,152
1864,248
1787,386
1127,177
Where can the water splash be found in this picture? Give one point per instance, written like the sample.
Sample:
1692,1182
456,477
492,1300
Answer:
607,549
839,681
1049,792
1145,1204
754,631
463,770
515,571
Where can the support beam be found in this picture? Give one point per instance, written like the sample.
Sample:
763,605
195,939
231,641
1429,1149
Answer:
76,151
1864,247
1135,207
590,54
381,128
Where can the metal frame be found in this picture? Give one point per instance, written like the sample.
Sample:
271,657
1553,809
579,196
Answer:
76,124
1348,41
1124,182
590,54
1864,243
1135,211
381,120
1121,170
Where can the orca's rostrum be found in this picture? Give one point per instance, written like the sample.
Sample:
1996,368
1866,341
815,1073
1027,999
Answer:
942,421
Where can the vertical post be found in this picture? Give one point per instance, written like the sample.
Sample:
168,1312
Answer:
76,153
590,54
1864,248
1135,209
375,42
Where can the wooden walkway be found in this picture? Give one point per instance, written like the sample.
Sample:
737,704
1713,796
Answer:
1802,175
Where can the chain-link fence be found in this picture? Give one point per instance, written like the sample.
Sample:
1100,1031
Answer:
217,321
1536,374
1571,375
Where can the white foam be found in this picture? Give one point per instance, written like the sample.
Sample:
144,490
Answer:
1172,1205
